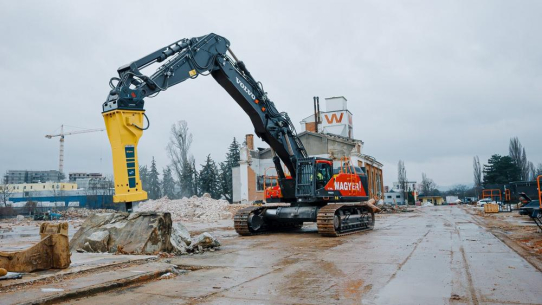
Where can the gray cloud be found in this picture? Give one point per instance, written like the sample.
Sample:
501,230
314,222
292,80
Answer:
432,83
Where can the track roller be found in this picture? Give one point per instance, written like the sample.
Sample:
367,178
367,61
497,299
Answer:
341,219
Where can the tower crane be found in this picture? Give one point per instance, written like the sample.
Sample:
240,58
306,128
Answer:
61,135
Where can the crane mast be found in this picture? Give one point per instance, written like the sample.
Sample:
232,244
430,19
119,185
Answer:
61,149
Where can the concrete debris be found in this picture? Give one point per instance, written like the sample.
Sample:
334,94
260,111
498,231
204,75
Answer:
391,208
428,204
12,276
204,209
51,252
83,212
135,233
180,238
97,242
138,233
167,276
203,241
20,217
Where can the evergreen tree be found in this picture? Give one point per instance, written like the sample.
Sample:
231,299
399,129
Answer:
187,180
225,181
154,181
195,178
233,155
501,170
232,160
168,184
209,178
144,176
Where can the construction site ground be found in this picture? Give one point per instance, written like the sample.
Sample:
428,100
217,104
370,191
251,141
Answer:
432,255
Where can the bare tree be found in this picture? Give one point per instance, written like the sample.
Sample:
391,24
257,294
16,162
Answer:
538,170
517,152
532,171
477,174
6,190
179,146
428,186
460,190
402,178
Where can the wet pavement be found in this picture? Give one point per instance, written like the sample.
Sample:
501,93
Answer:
435,255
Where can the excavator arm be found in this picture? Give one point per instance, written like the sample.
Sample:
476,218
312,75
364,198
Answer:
124,113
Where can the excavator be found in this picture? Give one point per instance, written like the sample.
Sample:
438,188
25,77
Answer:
336,199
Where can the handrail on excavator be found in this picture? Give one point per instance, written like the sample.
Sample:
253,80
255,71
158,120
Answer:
539,191
272,178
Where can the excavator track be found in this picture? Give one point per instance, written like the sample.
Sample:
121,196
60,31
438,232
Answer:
335,219
240,221
243,227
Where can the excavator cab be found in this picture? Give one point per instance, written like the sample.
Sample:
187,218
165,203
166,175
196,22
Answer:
323,173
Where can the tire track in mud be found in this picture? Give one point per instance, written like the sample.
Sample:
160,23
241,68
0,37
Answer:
417,243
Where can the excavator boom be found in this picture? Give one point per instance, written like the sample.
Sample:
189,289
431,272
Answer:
123,110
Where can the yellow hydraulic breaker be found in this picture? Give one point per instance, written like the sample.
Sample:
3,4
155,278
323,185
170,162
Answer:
124,128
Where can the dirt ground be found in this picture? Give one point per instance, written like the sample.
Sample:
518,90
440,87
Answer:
433,255
517,231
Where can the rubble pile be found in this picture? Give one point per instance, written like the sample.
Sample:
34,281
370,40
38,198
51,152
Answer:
82,212
139,233
391,208
204,209
183,243
135,233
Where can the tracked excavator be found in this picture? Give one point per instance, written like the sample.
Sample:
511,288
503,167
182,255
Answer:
335,199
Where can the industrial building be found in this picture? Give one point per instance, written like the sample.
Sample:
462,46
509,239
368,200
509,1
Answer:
397,195
76,176
324,134
394,197
28,176
46,186
87,192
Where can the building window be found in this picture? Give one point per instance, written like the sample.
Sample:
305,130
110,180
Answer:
397,196
389,196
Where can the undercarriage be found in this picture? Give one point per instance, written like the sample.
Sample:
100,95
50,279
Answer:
332,220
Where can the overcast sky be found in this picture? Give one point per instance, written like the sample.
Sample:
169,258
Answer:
430,82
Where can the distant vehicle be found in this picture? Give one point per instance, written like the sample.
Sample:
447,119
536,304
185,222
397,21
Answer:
451,200
483,202
469,200
531,209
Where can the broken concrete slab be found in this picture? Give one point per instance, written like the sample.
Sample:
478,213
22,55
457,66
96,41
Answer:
135,233
97,242
86,284
204,241
52,251
180,239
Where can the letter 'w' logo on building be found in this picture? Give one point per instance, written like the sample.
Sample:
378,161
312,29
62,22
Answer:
334,118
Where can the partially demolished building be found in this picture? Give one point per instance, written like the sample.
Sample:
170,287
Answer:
325,134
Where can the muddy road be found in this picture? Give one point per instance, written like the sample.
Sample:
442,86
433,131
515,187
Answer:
435,255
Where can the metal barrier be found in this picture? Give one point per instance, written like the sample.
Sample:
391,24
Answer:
492,193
